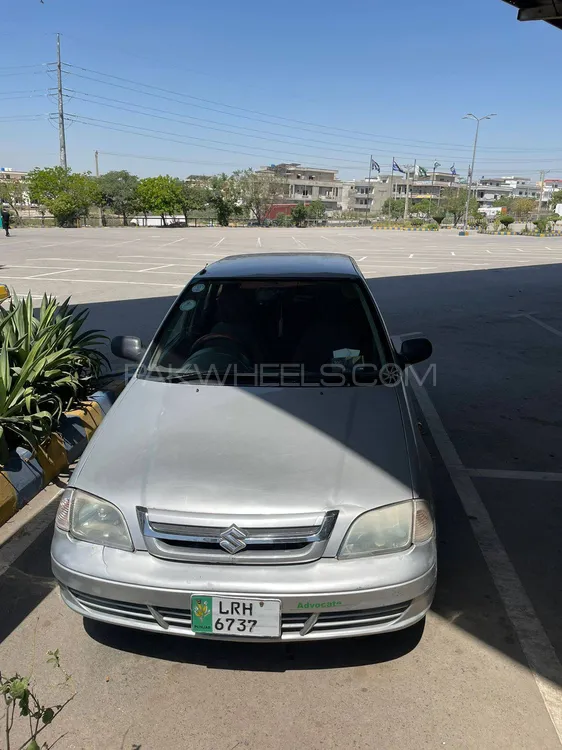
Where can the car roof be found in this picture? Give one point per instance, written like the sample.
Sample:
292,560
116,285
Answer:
283,265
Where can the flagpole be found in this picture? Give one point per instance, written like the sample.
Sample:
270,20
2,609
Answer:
391,186
369,186
408,187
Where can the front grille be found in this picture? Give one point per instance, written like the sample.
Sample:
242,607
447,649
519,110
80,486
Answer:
291,622
240,544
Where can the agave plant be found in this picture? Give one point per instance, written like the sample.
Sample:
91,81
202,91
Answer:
23,420
48,363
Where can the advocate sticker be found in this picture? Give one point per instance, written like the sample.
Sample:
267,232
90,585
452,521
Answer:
202,614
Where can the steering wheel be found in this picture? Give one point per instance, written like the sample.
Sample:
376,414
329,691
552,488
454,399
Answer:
244,353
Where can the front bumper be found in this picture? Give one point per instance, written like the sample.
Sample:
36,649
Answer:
328,598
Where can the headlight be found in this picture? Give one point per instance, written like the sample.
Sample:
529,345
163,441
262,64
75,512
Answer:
388,529
93,520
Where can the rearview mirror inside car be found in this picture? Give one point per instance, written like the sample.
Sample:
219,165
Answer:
416,350
127,347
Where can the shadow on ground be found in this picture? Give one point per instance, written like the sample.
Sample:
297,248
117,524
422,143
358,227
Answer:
499,398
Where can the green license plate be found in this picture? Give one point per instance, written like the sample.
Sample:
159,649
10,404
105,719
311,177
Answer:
243,618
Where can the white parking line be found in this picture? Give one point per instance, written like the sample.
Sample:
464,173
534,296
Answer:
173,242
540,476
173,257
298,243
258,243
363,258
328,239
53,273
98,281
127,242
216,244
532,318
411,256
488,251
452,253
154,268
87,260
539,651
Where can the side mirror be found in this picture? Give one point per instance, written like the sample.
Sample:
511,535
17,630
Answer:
127,347
416,350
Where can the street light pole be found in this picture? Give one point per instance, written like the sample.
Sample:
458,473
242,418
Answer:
470,116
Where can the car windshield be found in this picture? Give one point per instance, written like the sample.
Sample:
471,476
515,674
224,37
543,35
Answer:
252,332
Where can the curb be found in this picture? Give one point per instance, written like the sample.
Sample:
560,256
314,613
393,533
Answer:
405,229
25,474
533,234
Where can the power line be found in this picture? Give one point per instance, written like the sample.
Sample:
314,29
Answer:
168,158
203,120
308,156
412,142
101,124
307,144
204,140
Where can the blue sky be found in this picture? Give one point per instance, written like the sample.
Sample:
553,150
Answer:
320,83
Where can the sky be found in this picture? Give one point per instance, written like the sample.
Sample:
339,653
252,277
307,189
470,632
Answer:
199,88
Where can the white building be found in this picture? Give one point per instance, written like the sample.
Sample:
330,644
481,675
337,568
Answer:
306,184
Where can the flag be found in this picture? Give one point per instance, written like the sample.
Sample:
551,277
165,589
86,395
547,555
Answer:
375,165
396,167
436,164
422,171
453,170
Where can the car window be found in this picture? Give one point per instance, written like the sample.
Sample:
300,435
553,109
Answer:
265,329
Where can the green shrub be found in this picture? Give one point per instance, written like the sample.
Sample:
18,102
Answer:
438,217
416,222
506,220
47,363
541,224
282,220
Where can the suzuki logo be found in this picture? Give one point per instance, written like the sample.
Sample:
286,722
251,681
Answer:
232,540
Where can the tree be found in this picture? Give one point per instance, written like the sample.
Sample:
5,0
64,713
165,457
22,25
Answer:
423,207
192,196
259,191
556,198
506,220
453,201
159,195
395,207
316,210
438,216
299,214
13,192
505,202
522,208
67,195
224,196
119,192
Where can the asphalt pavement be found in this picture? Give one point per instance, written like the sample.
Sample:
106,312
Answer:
485,671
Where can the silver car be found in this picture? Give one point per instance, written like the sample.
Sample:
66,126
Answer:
261,476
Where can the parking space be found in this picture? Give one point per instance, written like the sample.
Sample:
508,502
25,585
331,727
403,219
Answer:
486,671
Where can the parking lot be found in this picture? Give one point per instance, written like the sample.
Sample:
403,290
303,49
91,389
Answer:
485,671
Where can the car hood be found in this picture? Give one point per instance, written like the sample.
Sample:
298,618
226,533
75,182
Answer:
220,449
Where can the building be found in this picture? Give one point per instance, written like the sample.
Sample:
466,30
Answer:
523,187
307,184
549,187
488,190
366,196
7,173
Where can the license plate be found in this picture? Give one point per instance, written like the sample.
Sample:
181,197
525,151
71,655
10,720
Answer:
251,618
